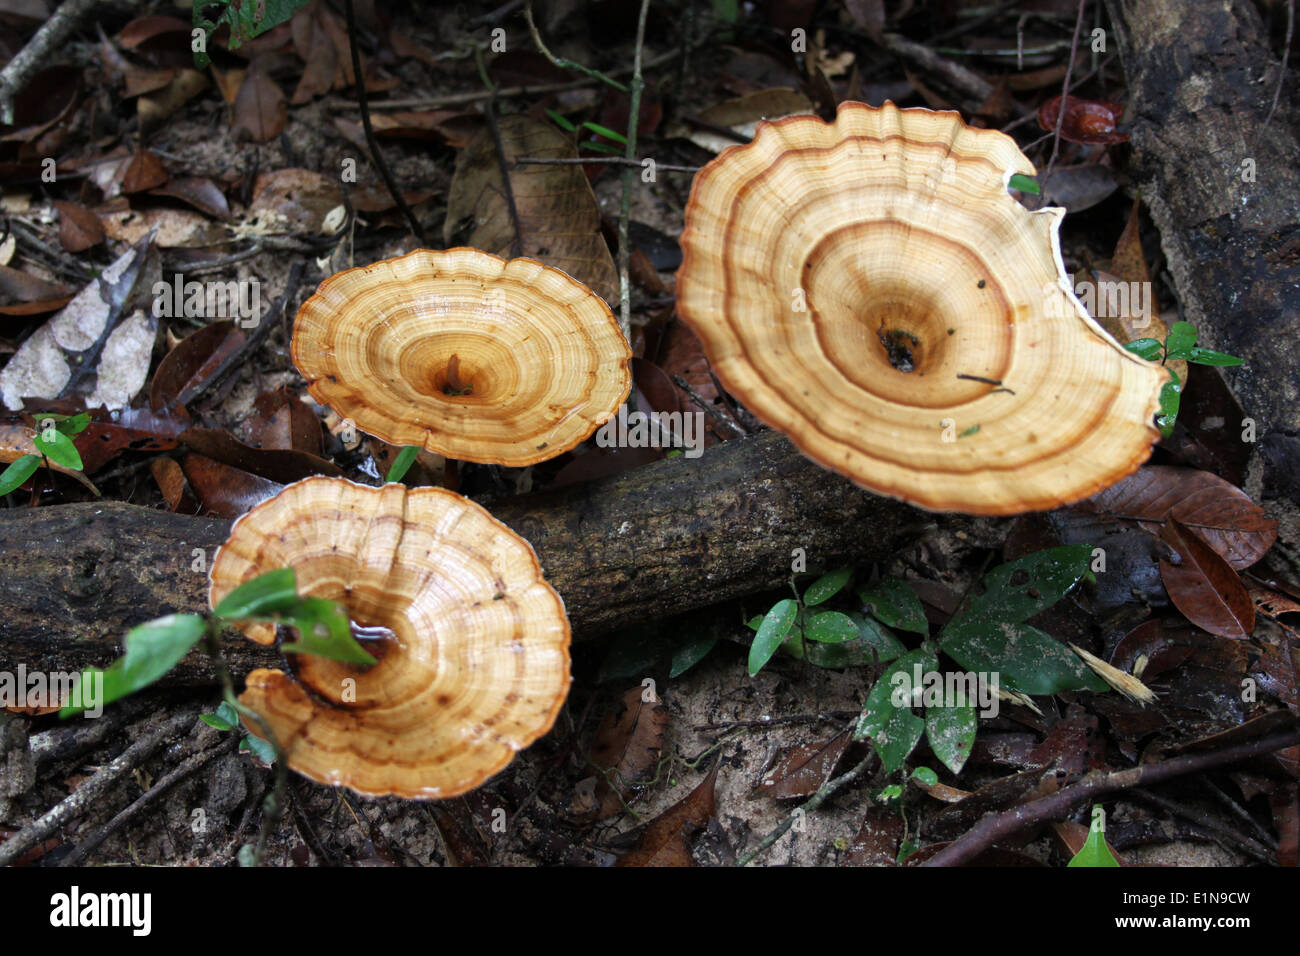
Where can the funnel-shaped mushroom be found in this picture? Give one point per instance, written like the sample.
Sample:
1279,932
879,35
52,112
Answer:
477,663
870,288
467,354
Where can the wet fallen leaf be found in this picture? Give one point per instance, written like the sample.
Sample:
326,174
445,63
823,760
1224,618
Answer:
225,491
1160,648
626,750
279,466
803,769
1090,122
878,839
197,191
193,361
1223,515
558,219
665,839
1204,587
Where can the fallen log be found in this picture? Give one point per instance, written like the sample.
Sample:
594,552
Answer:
1223,188
660,540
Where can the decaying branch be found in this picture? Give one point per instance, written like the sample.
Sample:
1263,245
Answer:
660,540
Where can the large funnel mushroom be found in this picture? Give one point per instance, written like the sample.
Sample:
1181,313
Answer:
477,663
870,288
467,354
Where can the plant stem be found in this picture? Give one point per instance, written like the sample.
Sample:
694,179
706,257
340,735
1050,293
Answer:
274,802
560,61
629,177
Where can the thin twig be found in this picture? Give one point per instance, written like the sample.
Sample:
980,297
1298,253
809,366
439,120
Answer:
36,54
629,178
607,160
174,776
376,156
818,798
507,188
560,61
93,790
997,826
1065,90
1286,54
708,408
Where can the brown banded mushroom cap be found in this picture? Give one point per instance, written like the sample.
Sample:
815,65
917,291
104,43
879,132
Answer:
469,355
821,261
477,663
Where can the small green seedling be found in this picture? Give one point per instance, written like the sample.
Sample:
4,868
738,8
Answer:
1180,343
54,442
1094,851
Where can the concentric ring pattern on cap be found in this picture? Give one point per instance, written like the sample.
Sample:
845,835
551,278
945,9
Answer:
871,289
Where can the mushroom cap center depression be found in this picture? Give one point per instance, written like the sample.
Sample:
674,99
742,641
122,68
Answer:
901,326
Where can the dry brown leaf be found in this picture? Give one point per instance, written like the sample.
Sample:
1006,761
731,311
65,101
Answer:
154,109
79,228
145,171
559,221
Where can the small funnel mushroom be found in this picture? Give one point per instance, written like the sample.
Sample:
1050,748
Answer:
474,662
464,353
869,288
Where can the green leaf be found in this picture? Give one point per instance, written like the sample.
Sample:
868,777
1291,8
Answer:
906,849
1179,341
402,464
212,720
925,775
58,448
951,731
68,424
18,472
1170,399
1024,184
1094,851
605,131
1018,590
260,748
755,622
826,587
1024,658
226,717
893,729
831,627
560,120
267,594
1202,356
152,650
1149,349
690,653
325,631
633,653
244,20
773,631
594,147
893,602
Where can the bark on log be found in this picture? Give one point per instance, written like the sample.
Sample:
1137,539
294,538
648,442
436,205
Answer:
663,539
1224,191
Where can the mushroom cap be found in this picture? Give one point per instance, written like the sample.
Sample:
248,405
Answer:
820,258
542,353
477,665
